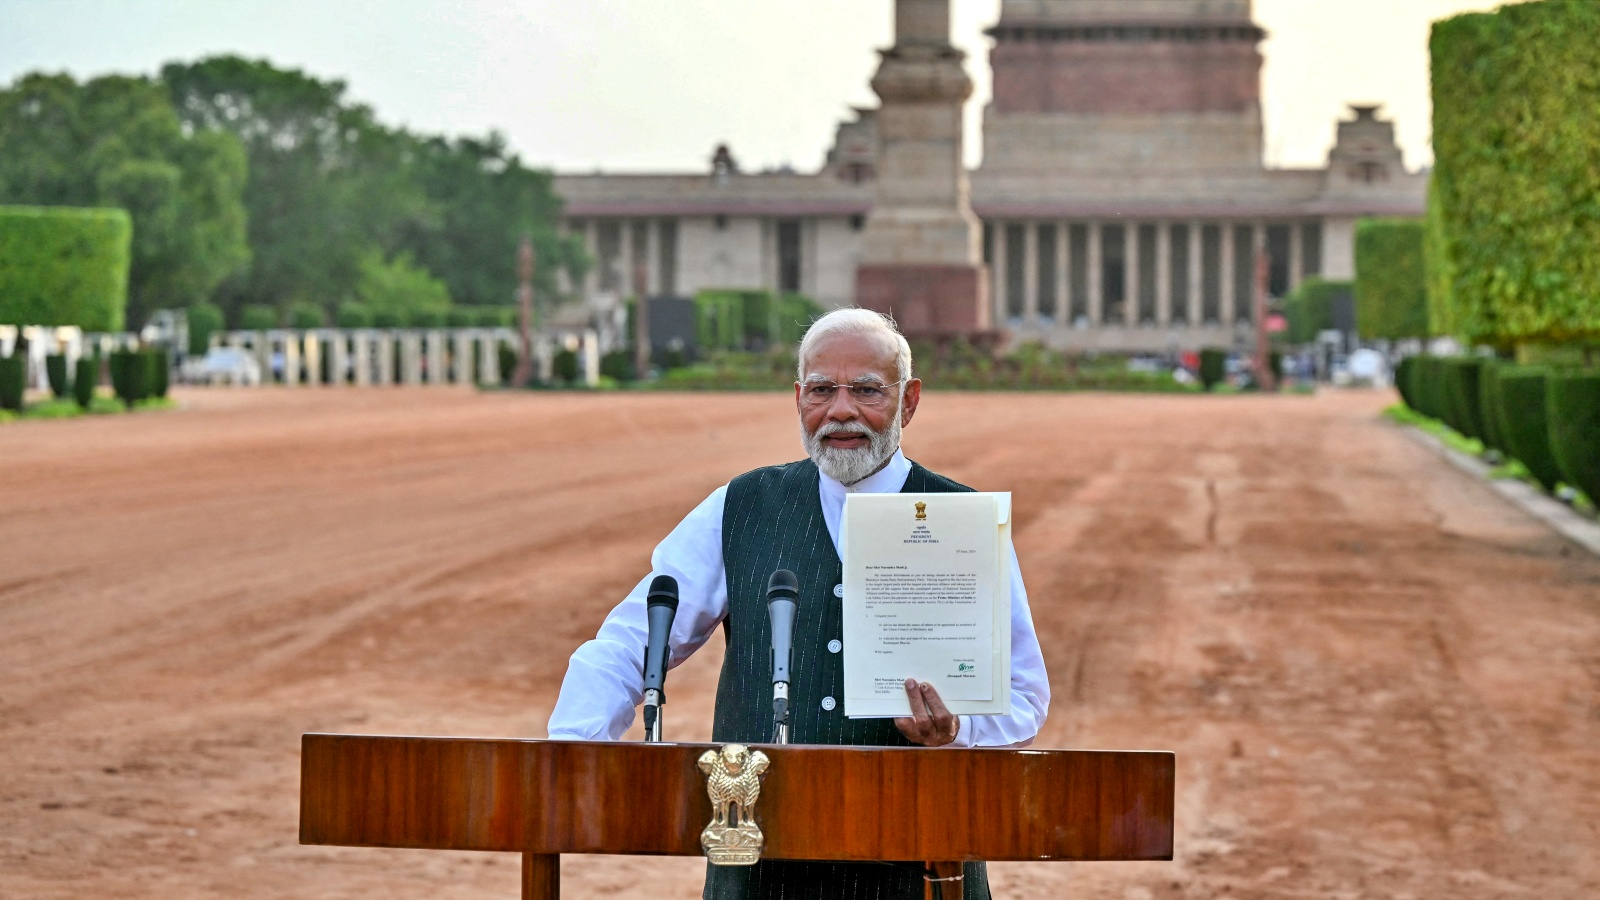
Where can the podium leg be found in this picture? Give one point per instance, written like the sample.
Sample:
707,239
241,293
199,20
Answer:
943,881
541,876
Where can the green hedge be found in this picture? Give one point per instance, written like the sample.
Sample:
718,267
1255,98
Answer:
1309,308
13,379
1516,132
55,368
741,320
64,266
1489,406
1527,430
204,320
1391,287
1572,402
1405,375
85,380
160,366
1461,410
1213,367
354,315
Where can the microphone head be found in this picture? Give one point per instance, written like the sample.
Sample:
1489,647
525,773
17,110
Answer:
783,585
663,592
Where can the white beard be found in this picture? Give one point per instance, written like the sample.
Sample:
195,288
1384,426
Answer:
850,466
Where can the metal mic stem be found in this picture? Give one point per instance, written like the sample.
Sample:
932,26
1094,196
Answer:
780,713
652,715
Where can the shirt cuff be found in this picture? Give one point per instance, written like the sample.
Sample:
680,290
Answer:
963,733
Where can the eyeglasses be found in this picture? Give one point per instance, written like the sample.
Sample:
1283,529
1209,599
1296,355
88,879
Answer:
867,393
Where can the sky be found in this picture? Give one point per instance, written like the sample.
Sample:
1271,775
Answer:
655,85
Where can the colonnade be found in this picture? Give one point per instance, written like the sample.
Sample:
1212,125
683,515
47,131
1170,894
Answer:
1133,273
379,357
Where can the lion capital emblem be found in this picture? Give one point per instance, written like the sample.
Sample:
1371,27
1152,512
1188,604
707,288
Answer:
733,781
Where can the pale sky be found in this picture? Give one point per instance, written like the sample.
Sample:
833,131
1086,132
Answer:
653,85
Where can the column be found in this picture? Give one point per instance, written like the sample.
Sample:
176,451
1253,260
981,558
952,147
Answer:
438,373
1194,274
410,358
589,353
1063,276
462,369
263,348
339,358
1130,274
384,346
1164,274
1226,305
1096,301
291,358
312,342
997,274
488,358
1296,254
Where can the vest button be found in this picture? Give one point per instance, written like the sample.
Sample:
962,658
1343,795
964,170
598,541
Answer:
838,591
828,703
834,646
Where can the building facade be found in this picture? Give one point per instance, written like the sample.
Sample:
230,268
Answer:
1122,191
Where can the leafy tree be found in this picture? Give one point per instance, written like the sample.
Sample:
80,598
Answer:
116,141
398,290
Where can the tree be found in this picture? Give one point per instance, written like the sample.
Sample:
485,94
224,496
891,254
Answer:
116,141
398,290
1391,284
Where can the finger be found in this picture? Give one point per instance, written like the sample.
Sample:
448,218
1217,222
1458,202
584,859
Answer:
945,724
919,706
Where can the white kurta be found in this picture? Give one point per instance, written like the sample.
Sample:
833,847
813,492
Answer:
605,676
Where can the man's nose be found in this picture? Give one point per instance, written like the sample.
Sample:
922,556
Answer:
842,408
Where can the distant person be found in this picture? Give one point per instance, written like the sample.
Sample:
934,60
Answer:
855,394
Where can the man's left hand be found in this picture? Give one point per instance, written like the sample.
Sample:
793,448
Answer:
929,724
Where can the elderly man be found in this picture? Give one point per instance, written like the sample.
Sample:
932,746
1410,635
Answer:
855,393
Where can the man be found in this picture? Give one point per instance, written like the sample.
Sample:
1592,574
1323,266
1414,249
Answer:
855,394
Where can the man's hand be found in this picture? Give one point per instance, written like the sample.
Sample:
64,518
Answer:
929,724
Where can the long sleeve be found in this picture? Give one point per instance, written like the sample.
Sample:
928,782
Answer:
1030,685
605,676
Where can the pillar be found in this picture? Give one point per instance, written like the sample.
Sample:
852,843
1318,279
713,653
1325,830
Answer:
339,357
312,342
263,348
1130,274
1097,303
1194,274
1226,306
461,368
1164,274
1030,273
437,370
1063,275
590,353
291,358
1296,253
997,273
488,358
410,358
384,346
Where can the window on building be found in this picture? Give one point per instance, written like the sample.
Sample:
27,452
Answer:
1278,277
1244,272
1078,273
1210,274
1047,272
720,223
1113,273
667,257
1015,271
789,255
1147,274
1178,273
1310,249
608,248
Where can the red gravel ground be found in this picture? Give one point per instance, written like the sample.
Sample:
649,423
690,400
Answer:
1380,679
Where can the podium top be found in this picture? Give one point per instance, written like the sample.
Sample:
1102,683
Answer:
817,802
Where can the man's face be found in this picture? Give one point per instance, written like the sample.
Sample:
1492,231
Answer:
847,437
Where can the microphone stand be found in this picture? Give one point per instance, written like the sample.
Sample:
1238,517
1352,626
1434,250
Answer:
783,595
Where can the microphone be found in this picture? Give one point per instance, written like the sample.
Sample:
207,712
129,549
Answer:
661,605
783,596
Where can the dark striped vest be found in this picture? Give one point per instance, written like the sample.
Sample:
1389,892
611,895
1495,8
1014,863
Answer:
773,520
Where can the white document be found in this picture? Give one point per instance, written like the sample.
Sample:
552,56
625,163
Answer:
927,595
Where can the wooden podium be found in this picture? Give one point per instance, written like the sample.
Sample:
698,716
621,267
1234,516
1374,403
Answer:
545,798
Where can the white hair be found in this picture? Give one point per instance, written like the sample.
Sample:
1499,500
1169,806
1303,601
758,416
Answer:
854,320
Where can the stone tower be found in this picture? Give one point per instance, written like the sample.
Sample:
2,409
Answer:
921,257
1159,85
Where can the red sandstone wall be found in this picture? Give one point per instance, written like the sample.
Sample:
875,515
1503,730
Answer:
1125,77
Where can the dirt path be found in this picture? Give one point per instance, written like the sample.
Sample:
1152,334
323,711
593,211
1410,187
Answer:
1379,678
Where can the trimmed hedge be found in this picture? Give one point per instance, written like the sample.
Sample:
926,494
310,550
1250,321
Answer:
55,368
1213,367
353,315
86,379
1489,406
1391,286
160,365
258,318
1572,402
1516,132
204,319
1527,430
1309,308
13,378
1461,410
1405,381
64,266
130,376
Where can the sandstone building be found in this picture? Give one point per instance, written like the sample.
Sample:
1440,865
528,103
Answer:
1122,191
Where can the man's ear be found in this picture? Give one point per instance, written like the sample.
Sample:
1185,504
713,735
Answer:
908,407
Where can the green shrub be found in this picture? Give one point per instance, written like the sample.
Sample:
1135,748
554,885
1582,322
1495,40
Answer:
1391,288
258,318
13,380
618,365
86,379
508,361
1405,373
1526,428
307,315
353,315
130,376
1516,135
64,266
388,318
565,366
427,317
205,319
460,317
160,372
1489,406
55,368
1572,403
497,317
1213,367
1435,390
1461,410
1309,308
